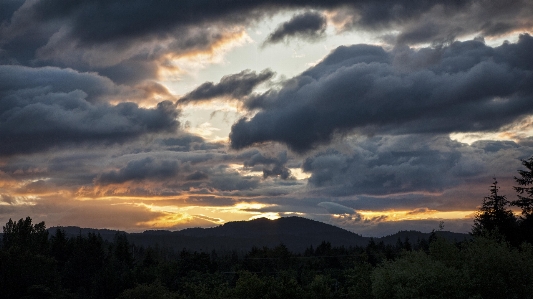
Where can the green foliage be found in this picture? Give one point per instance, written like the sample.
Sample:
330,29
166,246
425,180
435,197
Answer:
493,269
481,268
416,275
204,286
279,286
357,283
321,287
148,291
445,252
249,285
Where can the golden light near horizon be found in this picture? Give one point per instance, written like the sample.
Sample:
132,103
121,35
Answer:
519,130
181,216
166,221
419,214
179,115
270,216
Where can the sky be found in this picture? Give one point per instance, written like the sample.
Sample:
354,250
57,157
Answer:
374,116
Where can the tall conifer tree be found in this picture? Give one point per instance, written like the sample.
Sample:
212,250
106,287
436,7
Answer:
494,216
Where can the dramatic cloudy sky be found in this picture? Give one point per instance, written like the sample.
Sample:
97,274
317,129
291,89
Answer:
371,115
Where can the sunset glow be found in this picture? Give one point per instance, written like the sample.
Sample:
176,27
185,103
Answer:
370,116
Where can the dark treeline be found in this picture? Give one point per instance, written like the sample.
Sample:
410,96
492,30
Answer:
36,265
496,263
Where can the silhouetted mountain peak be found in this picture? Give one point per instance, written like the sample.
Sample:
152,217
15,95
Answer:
296,233
285,226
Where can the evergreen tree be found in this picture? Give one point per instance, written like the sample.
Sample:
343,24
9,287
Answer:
26,269
525,188
24,235
494,216
525,199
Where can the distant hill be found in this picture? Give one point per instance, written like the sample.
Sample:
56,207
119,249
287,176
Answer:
296,233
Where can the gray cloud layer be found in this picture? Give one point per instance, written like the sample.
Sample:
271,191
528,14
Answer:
271,166
45,107
397,164
102,21
467,86
144,169
404,102
124,39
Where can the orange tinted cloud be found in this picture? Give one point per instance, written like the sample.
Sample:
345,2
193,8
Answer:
147,94
173,65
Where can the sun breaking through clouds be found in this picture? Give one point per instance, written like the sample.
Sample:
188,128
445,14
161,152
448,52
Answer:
373,116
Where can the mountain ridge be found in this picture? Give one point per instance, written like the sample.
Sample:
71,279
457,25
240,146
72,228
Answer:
296,233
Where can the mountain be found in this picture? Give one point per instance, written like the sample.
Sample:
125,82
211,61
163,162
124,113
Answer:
296,233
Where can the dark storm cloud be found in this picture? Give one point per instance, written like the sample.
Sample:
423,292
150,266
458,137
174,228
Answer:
137,170
388,165
493,146
130,71
448,88
235,86
169,173
8,7
197,176
224,180
19,81
61,168
470,87
102,34
93,22
307,26
527,142
412,171
444,23
403,202
272,166
46,107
